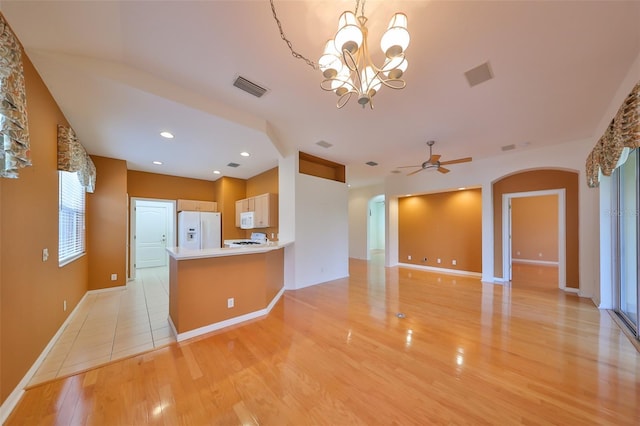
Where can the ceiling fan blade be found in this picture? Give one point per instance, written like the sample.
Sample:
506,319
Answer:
459,160
434,158
413,173
443,170
406,167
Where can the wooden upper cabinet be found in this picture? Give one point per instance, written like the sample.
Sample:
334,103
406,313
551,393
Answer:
197,206
265,207
266,210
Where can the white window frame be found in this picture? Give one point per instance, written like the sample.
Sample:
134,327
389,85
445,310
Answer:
71,218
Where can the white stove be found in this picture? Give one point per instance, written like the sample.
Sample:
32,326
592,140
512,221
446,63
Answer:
257,238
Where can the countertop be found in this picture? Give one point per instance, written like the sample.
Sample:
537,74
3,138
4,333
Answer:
179,253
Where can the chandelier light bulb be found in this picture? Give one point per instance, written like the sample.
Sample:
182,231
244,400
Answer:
330,63
349,36
396,39
395,67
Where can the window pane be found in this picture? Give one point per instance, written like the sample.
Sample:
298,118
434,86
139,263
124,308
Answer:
71,238
628,222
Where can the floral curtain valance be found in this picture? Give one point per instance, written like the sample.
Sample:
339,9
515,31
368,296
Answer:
72,157
14,146
623,132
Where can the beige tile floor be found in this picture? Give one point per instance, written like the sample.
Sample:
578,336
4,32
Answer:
112,325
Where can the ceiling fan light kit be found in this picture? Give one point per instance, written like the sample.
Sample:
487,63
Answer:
433,162
347,66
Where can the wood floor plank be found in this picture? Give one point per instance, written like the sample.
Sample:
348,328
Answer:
337,353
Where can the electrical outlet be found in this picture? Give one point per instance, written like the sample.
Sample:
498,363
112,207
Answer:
439,260
424,259
454,262
518,253
409,257
45,254
539,254
230,302
64,305
114,277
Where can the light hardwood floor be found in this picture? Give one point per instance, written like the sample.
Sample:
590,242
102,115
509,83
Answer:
336,353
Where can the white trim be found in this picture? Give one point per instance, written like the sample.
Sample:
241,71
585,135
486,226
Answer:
497,280
226,323
105,290
442,270
14,397
572,290
535,262
562,231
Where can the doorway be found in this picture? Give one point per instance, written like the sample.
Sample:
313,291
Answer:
543,243
153,224
376,226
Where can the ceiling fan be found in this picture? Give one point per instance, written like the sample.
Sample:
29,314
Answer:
434,162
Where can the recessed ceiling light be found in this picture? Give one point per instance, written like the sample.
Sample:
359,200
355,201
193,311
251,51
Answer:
245,154
216,172
462,188
167,135
158,163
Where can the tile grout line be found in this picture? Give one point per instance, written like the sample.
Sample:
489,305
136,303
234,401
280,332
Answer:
115,328
146,304
75,338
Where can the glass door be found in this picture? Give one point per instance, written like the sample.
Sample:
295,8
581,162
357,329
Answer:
628,236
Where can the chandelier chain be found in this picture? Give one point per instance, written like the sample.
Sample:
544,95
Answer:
286,40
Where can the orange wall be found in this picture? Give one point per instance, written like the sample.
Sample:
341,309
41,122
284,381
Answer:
266,182
165,187
540,180
32,291
229,190
199,288
534,228
446,226
107,227
263,183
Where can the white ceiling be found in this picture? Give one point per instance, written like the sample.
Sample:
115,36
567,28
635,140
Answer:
122,71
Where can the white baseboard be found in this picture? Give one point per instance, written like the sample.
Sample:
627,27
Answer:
14,397
106,290
441,270
572,290
226,323
535,262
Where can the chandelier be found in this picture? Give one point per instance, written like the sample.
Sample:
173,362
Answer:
347,66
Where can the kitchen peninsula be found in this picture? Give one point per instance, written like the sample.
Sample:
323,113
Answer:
214,288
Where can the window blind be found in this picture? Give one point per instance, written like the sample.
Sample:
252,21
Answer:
71,232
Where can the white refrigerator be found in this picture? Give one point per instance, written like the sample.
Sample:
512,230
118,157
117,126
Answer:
199,230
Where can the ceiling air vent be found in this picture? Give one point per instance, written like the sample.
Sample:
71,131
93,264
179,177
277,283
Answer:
233,165
371,163
249,87
479,74
508,147
324,144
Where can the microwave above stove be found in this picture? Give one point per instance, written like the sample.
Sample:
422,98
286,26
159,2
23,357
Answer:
247,220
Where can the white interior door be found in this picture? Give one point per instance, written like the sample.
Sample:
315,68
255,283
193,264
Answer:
151,235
